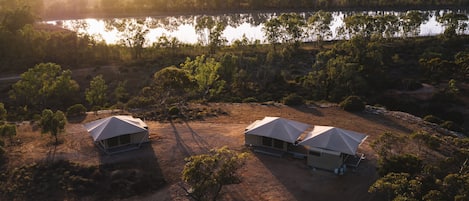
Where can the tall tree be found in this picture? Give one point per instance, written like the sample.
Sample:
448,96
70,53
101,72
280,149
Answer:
319,25
171,85
45,85
272,31
206,174
3,113
210,32
53,123
96,93
205,72
411,21
454,23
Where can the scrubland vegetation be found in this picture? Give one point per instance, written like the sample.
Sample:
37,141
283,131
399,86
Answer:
161,79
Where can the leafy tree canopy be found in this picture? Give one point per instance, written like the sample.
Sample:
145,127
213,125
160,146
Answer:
206,174
45,86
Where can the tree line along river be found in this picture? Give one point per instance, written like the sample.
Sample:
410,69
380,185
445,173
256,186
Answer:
251,26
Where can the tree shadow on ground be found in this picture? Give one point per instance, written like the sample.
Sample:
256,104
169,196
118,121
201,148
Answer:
132,173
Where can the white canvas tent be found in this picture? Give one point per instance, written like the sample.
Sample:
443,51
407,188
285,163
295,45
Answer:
330,147
117,131
334,139
273,132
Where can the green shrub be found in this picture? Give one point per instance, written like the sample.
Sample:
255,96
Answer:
139,102
401,163
293,99
432,119
450,126
76,110
250,100
353,104
173,110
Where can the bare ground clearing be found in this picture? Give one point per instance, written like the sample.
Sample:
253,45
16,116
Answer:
264,177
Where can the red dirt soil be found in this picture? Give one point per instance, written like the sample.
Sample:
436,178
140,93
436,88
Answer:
263,177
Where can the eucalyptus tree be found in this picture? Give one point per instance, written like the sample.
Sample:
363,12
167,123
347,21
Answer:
410,22
132,32
292,28
205,71
45,86
53,123
3,113
272,31
171,85
206,174
319,25
96,93
454,23
210,32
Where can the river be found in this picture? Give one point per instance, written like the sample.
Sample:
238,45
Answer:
182,28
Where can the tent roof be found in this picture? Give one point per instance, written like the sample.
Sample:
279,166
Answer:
278,128
335,139
114,126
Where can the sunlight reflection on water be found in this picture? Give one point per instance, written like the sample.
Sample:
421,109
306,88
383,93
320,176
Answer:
184,30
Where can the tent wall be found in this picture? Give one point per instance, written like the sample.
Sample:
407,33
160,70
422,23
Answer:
324,159
134,138
261,141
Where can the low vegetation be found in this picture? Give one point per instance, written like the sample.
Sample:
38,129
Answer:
369,65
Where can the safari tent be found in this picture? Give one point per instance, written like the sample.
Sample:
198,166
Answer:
118,133
274,132
331,148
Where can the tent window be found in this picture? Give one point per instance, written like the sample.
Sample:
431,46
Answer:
124,139
278,144
314,153
112,142
267,141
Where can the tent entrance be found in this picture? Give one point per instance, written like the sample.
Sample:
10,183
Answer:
118,141
271,142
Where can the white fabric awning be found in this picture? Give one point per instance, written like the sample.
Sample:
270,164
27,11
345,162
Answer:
115,126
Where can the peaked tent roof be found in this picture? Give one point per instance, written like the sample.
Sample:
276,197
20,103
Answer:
334,139
278,128
114,126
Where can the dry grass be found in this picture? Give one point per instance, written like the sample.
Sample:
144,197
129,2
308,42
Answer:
264,177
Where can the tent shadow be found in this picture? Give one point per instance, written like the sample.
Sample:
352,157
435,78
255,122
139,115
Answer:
137,172
310,109
383,120
304,183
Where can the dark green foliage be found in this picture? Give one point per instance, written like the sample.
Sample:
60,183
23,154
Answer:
451,126
206,174
173,110
400,163
76,110
433,119
353,104
250,100
293,100
53,123
64,180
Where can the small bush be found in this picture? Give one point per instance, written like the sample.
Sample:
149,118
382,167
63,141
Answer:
401,163
250,100
293,99
432,119
353,104
173,110
450,126
76,110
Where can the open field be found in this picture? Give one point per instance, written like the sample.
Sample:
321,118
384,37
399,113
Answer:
264,177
